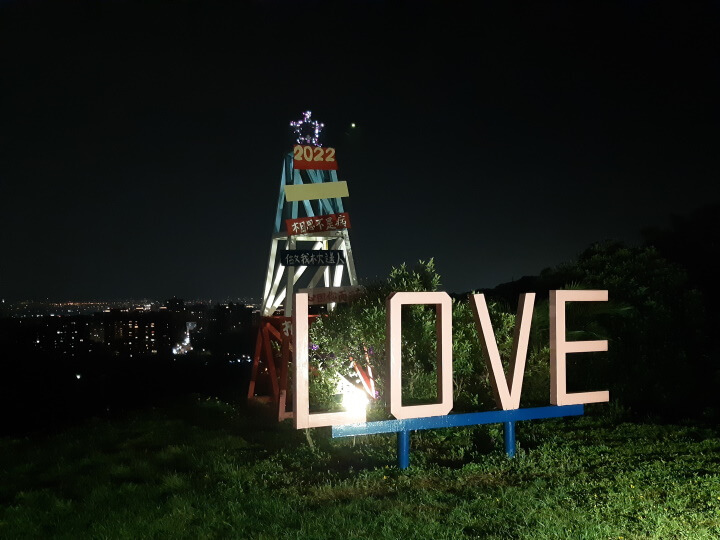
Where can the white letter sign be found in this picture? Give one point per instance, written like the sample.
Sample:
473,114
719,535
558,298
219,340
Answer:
559,348
301,400
443,326
507,391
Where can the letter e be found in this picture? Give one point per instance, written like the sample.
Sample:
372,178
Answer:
560,348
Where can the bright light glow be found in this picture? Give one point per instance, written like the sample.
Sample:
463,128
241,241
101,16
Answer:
354,400
184,347
352,125
307,131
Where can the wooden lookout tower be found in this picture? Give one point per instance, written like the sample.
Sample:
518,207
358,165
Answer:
309,252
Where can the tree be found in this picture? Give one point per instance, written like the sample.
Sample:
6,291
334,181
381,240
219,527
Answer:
657,360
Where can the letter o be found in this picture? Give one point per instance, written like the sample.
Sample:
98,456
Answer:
443,326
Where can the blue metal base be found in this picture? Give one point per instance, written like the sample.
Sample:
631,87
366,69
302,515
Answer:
403,444
509,438
507,418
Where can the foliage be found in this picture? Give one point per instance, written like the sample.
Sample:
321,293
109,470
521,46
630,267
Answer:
657,360
359,328
356,331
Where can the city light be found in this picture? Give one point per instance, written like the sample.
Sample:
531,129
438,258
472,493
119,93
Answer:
184,347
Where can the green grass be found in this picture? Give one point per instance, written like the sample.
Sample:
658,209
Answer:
206,469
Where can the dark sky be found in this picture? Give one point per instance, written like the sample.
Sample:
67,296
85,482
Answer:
141,142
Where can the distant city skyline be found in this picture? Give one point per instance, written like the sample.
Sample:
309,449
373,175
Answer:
145,303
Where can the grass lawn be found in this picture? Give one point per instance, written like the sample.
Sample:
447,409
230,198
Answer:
202,468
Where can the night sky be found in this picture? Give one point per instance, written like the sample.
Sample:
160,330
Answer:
141,143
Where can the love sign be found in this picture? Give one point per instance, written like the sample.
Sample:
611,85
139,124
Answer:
507,390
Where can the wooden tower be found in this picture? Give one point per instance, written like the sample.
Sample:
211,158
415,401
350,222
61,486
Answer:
309,251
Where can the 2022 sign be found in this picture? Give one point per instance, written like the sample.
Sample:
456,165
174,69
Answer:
507,390
314,157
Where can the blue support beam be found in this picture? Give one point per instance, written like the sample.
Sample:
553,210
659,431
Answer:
286,174
509,430
338,201
507,418
292,176
325,205
297,180
403,449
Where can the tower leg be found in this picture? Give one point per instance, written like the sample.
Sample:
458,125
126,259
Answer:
256,361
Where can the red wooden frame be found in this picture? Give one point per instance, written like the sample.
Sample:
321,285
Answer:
273,362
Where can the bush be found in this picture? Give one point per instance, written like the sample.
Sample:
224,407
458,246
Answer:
658,360
357,331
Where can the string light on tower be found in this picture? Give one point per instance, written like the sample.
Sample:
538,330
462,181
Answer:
307,131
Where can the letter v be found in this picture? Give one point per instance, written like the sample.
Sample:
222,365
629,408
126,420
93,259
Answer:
507,392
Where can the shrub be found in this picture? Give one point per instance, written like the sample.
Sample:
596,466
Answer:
357,331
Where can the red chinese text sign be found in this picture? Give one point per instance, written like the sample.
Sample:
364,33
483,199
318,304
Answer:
329,222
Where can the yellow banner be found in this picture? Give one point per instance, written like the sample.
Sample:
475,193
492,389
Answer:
309,192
